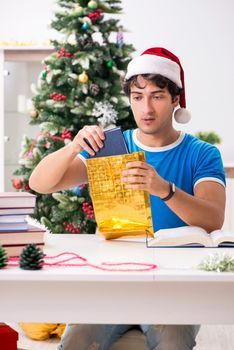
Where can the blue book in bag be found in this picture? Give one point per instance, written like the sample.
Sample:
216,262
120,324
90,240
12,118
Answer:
114,144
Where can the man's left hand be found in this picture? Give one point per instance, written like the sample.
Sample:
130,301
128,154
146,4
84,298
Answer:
142,176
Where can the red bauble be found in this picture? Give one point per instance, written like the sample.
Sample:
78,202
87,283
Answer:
17,183
66,134
95,15
27,187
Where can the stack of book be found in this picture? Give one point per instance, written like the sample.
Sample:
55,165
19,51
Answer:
15,231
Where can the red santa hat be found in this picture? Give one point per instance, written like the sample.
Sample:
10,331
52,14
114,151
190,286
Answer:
158,60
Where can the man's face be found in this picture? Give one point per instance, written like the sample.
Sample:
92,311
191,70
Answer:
152,107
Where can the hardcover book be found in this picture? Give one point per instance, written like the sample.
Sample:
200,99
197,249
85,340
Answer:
191,236
118,211
31,235
114,144
14,242
6,219
13,226
17,211
17,200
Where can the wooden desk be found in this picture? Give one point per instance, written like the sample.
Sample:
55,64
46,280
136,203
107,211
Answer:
176,293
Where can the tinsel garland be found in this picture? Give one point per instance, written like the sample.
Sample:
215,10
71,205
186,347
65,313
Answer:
218,262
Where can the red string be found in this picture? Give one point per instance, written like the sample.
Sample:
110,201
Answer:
104,266
46,137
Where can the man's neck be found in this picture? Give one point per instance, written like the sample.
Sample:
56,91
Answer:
157,140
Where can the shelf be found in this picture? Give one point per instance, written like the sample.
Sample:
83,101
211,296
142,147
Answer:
26,54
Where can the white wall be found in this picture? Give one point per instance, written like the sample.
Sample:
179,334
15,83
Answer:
200,32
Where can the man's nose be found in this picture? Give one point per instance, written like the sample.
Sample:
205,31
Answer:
147,106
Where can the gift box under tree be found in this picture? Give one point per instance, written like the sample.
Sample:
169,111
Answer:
8,337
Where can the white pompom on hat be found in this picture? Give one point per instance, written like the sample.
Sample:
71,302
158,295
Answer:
158,60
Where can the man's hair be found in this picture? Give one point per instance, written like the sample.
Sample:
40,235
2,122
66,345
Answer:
159,80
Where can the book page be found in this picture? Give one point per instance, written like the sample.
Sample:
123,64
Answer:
219,236
178,236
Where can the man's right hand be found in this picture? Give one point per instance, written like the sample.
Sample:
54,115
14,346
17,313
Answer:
94,134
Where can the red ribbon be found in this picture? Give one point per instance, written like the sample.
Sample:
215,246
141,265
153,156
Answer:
104,266
46,137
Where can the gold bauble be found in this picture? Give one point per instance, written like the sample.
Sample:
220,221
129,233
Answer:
34,113
83,78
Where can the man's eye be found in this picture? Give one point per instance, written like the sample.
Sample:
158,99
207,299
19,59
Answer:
157,97
136,98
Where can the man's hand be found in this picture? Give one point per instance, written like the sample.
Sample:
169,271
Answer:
93,134
142,176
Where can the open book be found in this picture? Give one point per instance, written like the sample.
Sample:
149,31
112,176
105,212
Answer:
191,236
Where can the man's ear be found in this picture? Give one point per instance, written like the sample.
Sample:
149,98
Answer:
176,101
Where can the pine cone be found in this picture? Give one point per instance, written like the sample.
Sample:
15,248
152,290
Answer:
31,258
88,43
94,89
3,257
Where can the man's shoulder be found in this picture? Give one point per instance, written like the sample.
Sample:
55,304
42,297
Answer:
128,133
195,142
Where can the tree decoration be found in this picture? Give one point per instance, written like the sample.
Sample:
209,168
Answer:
27,187
83,78
88,210
17,183
95,15
94,89
88,43
85,26
218,262
109,63
78,11
76,78
66,134
105,113
76,190
92,5
120,37
71,227
44,74
31,258
34,113
58,97
63,53
3,257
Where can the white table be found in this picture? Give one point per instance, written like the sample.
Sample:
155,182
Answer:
174,293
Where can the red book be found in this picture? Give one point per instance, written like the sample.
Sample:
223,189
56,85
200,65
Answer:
8,337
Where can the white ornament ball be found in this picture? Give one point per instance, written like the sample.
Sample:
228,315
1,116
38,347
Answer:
182,116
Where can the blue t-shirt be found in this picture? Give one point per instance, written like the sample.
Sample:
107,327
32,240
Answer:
186,162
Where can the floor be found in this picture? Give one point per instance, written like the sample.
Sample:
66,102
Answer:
215,338
209,338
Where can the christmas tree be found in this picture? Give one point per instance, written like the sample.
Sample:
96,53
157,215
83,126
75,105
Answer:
80,84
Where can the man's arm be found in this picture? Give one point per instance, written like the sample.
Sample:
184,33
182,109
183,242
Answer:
59,170
63,169
205,209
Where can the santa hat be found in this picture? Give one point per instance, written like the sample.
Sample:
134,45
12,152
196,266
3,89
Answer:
158,60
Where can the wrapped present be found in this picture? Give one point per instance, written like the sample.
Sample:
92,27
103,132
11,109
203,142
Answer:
8,337
119,211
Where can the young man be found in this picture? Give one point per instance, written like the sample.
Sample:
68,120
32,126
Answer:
184,176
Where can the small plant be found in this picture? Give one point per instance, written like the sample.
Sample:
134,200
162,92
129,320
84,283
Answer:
218,263
209,136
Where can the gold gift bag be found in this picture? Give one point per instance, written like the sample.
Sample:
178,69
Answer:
118,211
